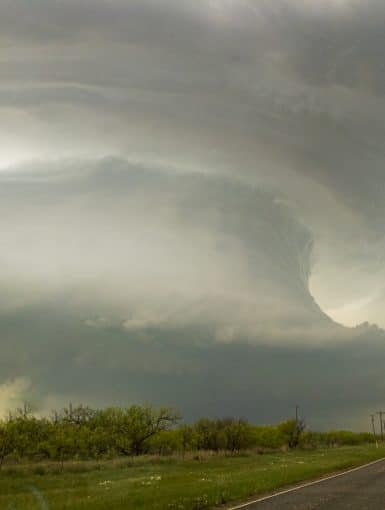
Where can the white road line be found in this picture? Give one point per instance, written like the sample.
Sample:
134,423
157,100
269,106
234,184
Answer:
303,486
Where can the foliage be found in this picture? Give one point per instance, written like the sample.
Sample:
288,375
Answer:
226,434
80,433
291,431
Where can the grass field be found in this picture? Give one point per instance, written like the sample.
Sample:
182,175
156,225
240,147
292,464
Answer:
168,483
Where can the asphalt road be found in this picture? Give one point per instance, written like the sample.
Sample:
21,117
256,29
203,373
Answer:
363,489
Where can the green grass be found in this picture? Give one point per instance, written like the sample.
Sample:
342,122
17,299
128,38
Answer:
168,483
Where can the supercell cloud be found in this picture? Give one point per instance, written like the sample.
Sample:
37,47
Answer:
197,190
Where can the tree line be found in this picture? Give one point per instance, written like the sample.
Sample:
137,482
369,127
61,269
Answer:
81,432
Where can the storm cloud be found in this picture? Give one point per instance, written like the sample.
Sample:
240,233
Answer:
199,179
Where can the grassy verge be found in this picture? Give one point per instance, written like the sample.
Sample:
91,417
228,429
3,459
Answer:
170,483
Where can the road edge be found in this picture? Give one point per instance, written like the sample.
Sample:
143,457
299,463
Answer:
304,485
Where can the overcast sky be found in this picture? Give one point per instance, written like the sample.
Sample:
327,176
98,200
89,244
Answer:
185,182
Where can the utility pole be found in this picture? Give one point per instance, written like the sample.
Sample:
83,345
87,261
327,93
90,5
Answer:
296,414
380,413
374,429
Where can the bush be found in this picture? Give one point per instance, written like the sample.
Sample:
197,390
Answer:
80,433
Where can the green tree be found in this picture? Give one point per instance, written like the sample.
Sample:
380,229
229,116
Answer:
291,431
142,423
238,434
6,441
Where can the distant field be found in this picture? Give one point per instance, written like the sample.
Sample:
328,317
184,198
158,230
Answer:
168,483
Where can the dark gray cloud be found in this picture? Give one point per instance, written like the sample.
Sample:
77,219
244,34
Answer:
204,166
188,368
